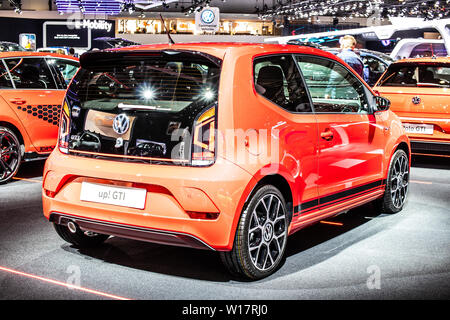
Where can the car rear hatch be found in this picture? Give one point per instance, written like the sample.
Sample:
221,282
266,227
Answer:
419,93
143,106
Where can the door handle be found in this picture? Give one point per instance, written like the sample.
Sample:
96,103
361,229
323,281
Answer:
327,135
17,101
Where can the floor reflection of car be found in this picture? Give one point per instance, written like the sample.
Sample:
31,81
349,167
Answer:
419,90
229,147
375,63
10,46
32,88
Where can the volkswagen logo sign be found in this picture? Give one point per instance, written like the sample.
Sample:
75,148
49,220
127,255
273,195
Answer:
121,123
416,100
207,16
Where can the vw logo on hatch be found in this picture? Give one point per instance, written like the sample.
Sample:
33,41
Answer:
121,123
416,100
207,16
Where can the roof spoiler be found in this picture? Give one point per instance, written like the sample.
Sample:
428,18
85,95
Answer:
101,58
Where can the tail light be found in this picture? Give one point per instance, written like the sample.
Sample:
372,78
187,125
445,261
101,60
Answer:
50,194
203,215
203,148
64,127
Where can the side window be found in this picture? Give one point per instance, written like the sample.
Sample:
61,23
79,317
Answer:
277,78
374,65
441,75
5,81
332,87
373,69
67,68
399,75
30,73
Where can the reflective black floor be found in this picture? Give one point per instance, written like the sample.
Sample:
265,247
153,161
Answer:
369,256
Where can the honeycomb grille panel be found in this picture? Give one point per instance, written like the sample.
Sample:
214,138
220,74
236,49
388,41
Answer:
49,113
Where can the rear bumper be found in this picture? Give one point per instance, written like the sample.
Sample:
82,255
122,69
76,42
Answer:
430,147
131,232
173,193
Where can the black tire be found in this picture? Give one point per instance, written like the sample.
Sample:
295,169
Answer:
397,184
79,239
10,154
261,234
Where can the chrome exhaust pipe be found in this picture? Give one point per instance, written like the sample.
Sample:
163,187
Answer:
72,226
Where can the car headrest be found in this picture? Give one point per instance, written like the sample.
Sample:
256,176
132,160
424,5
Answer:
271,79
270,76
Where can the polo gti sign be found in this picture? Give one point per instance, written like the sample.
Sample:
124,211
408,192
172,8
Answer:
207,20
121,123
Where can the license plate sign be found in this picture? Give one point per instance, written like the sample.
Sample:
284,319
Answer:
118,196
418,128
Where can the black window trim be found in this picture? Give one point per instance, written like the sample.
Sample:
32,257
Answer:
371,106
53,69
9,74
50,68
301,78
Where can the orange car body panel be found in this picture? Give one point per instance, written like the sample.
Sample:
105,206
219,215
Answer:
19,108
224,187
433,108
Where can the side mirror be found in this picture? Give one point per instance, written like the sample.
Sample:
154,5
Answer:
382,104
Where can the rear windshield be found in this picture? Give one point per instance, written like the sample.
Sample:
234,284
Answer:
417,75
140,104
158,82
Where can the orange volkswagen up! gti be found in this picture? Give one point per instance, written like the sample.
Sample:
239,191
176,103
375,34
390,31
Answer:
419,91
32,87
221,146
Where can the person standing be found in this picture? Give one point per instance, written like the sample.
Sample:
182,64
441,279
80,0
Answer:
72,53
348,44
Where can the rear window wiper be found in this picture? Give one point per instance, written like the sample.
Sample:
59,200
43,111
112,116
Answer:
141,107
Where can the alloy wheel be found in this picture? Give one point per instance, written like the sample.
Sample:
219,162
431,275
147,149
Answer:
9,155
267,232
399,181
